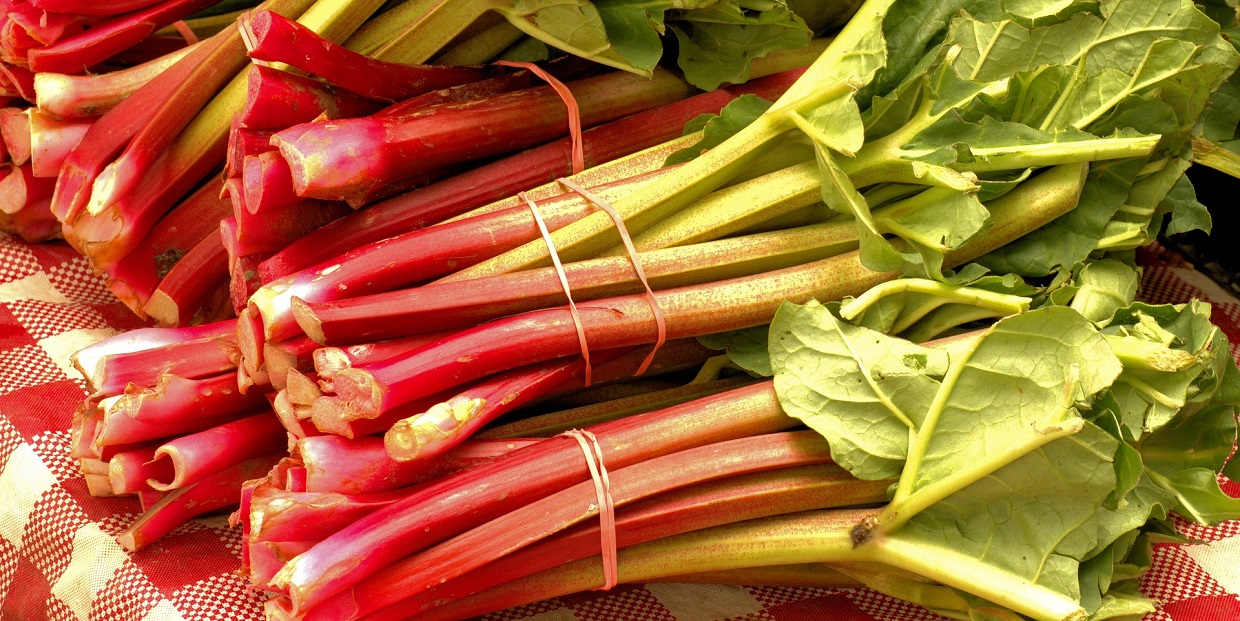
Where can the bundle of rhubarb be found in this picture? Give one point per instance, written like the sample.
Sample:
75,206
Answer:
63,64
925,238
134,122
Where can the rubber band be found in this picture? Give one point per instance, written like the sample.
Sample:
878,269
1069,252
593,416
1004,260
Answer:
185,32
660,323
559,271
606,505
570,102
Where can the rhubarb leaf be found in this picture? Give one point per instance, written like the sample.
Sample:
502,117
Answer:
840,195
718,42
862,390
1070,238
634,29
1010,392
716,128
1033,520
1187,213
746,348
1103,287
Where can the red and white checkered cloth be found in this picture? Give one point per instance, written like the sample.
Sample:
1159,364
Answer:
58,559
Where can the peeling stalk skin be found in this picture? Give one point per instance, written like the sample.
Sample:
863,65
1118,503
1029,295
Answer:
217,491
570,506
704,505
82,96
325,156
463,304
278,39
456,503
78,53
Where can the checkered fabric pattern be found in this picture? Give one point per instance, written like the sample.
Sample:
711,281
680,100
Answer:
58,559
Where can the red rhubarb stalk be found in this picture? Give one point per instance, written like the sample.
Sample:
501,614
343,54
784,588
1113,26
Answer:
403,146
15,131
735,499
242,142
277,515
224,58
466,303
296,354
188,294
474,496
215,492
92,7
109,135
417,256
78,53
359,466
278,99
141,356
547,425
128,471
52,140
556,512
273,38
135,278
21,189
118,427
175,398
196,456
82,96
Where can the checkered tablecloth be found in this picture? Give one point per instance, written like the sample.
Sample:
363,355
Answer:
58,559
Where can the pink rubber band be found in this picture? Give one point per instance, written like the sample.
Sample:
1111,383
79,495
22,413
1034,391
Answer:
570,102
559,271
186,33
660,323
606,505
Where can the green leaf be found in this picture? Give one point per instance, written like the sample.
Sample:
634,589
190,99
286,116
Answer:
718,42
747,348
1070,238
716,128
1018,382
1035,518
1104,286
840,195
634,28
1187,214
860,389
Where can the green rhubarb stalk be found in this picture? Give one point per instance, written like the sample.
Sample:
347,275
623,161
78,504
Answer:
480,47
1213,156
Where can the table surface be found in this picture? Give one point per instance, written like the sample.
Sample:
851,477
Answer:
58,559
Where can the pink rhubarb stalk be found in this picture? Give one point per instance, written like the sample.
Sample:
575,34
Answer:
189,292
404,146
196,456
80,52
66,96
217,491
474,496
278,99
51,141
273,38
556,512
141,356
